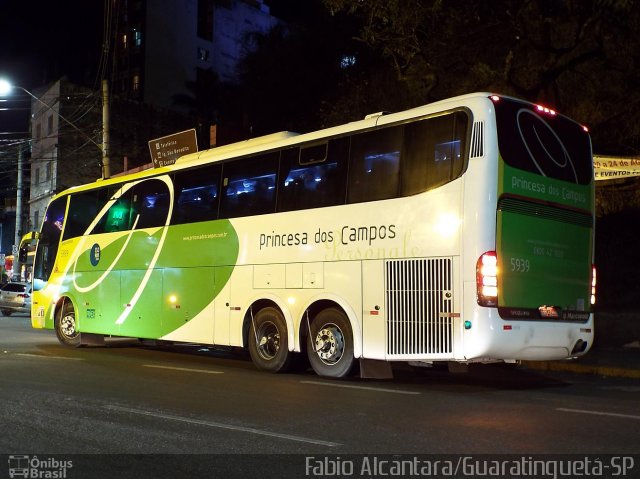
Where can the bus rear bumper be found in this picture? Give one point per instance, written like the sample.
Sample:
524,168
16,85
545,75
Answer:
529,340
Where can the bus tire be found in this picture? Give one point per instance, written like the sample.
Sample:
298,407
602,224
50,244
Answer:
66,326
268,341
330,344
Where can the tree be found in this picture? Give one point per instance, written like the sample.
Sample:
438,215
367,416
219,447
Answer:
579,57
292,72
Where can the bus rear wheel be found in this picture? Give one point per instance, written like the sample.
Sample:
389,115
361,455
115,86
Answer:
66,326
330,344
268,341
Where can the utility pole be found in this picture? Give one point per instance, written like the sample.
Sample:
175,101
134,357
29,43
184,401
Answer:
18,235
106,167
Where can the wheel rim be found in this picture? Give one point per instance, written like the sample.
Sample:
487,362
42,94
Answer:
68,326
268,340
330,344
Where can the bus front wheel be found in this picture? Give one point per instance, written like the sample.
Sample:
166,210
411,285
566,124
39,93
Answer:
330,344
66,326
268,341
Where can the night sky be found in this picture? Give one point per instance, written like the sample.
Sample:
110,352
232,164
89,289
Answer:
40,41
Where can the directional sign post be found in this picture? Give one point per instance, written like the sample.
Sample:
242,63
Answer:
166,150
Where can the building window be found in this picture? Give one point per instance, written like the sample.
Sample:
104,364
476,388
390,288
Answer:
135,84
137,38
38,131
36,179
36,219
50,125
347,61
47,173
205,19
203,54
124,41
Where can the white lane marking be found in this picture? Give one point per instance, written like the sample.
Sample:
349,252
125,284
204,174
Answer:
365,388
627,389
46,356
206,371
598,413
220,425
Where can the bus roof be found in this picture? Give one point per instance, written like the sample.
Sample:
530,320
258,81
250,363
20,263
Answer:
284,139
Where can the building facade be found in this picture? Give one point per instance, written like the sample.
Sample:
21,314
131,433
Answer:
62,155
161,46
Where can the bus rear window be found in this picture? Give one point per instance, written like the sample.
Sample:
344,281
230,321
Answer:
544,143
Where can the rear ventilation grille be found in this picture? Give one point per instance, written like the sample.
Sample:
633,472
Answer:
477,139
419,305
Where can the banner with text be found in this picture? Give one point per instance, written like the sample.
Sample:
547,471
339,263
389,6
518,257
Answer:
615,167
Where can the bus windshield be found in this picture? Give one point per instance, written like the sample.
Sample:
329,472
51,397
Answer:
49,240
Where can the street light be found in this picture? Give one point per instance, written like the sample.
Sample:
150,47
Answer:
5,89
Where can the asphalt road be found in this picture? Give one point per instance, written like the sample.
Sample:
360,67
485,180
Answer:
126,398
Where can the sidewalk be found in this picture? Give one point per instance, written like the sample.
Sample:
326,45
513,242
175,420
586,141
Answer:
609,361
615,352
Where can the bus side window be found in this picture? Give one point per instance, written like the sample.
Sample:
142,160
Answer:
118,217
196,195
313,184
433,153
150,204
374,165
83,209
249,186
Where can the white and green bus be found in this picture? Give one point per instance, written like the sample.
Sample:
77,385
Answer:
460,231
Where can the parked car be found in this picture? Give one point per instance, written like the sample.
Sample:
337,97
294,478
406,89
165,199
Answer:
15,297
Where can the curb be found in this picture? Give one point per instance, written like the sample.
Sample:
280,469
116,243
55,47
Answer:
573,367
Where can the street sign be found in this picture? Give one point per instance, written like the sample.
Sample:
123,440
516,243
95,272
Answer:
166,150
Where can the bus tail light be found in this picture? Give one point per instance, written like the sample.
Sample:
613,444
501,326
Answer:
487,279
544,109
593,284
